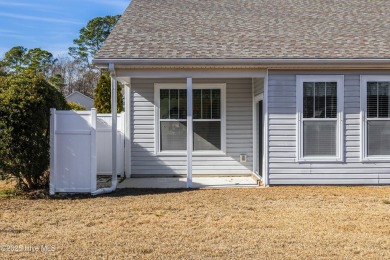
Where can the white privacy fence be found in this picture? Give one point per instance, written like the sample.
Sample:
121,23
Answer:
104,144
80,148
72,151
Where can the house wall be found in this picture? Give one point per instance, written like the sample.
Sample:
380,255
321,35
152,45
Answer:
258,86
81,100
239,132
283,167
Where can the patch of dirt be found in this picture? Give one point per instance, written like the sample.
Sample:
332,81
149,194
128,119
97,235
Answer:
103,182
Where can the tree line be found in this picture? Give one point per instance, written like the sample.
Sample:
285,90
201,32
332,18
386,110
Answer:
31,82
68,73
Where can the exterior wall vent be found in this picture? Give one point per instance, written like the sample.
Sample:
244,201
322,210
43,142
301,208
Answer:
243,158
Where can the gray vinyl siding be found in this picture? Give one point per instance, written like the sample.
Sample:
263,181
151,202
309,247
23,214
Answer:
258,86
144,161
80,99
283,167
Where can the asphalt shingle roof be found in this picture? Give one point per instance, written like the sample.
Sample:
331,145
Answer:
251,29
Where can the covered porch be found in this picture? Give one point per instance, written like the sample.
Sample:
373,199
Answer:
197,182
151,157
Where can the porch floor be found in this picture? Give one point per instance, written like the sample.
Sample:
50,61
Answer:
197,183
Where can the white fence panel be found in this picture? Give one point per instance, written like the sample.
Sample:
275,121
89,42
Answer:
73,162
104,144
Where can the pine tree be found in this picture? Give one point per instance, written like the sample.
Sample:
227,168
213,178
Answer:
102,96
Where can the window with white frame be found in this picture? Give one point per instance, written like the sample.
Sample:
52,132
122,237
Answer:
319,111
375,98
207,118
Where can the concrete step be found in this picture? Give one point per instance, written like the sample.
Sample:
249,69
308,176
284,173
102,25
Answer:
198,183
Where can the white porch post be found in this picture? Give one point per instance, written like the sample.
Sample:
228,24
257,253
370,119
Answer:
114,121
189,133
127,129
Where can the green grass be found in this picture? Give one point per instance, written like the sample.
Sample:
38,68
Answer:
8,193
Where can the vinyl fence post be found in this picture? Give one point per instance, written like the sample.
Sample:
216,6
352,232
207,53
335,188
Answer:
52,151
93,150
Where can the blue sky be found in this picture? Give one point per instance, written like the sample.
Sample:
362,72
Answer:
49,24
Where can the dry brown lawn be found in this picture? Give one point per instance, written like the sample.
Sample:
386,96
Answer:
5,185
277,222
7,188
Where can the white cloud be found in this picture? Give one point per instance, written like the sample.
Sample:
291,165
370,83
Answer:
12,34
39,18
122,4
26,5
6,31
58,52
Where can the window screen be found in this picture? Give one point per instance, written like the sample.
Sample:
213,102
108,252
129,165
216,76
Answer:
206,121
319,119
378,118
319,138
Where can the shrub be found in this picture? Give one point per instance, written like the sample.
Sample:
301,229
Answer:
25,103
102,96
75,106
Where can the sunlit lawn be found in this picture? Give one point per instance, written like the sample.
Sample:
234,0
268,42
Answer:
277,222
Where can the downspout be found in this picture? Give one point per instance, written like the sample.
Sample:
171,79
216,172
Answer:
114,182
266,133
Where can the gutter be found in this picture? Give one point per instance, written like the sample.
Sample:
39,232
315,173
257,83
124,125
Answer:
242,62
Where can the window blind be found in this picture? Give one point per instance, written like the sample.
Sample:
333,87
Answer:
207,136
173,104
378,118
206,122
216,104
320,100
378,99
378,142
173,135
319,138
319,112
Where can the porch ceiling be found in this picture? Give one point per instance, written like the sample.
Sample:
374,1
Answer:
190,73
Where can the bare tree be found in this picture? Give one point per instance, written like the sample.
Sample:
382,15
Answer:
76,76
86,82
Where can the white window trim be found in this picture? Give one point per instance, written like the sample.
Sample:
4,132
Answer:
256,99
363,117
157,143
340,117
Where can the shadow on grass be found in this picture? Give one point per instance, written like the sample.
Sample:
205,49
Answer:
11,230
130,192
44,194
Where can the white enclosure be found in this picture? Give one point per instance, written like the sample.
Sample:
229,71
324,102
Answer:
104,144
72,151
81,148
